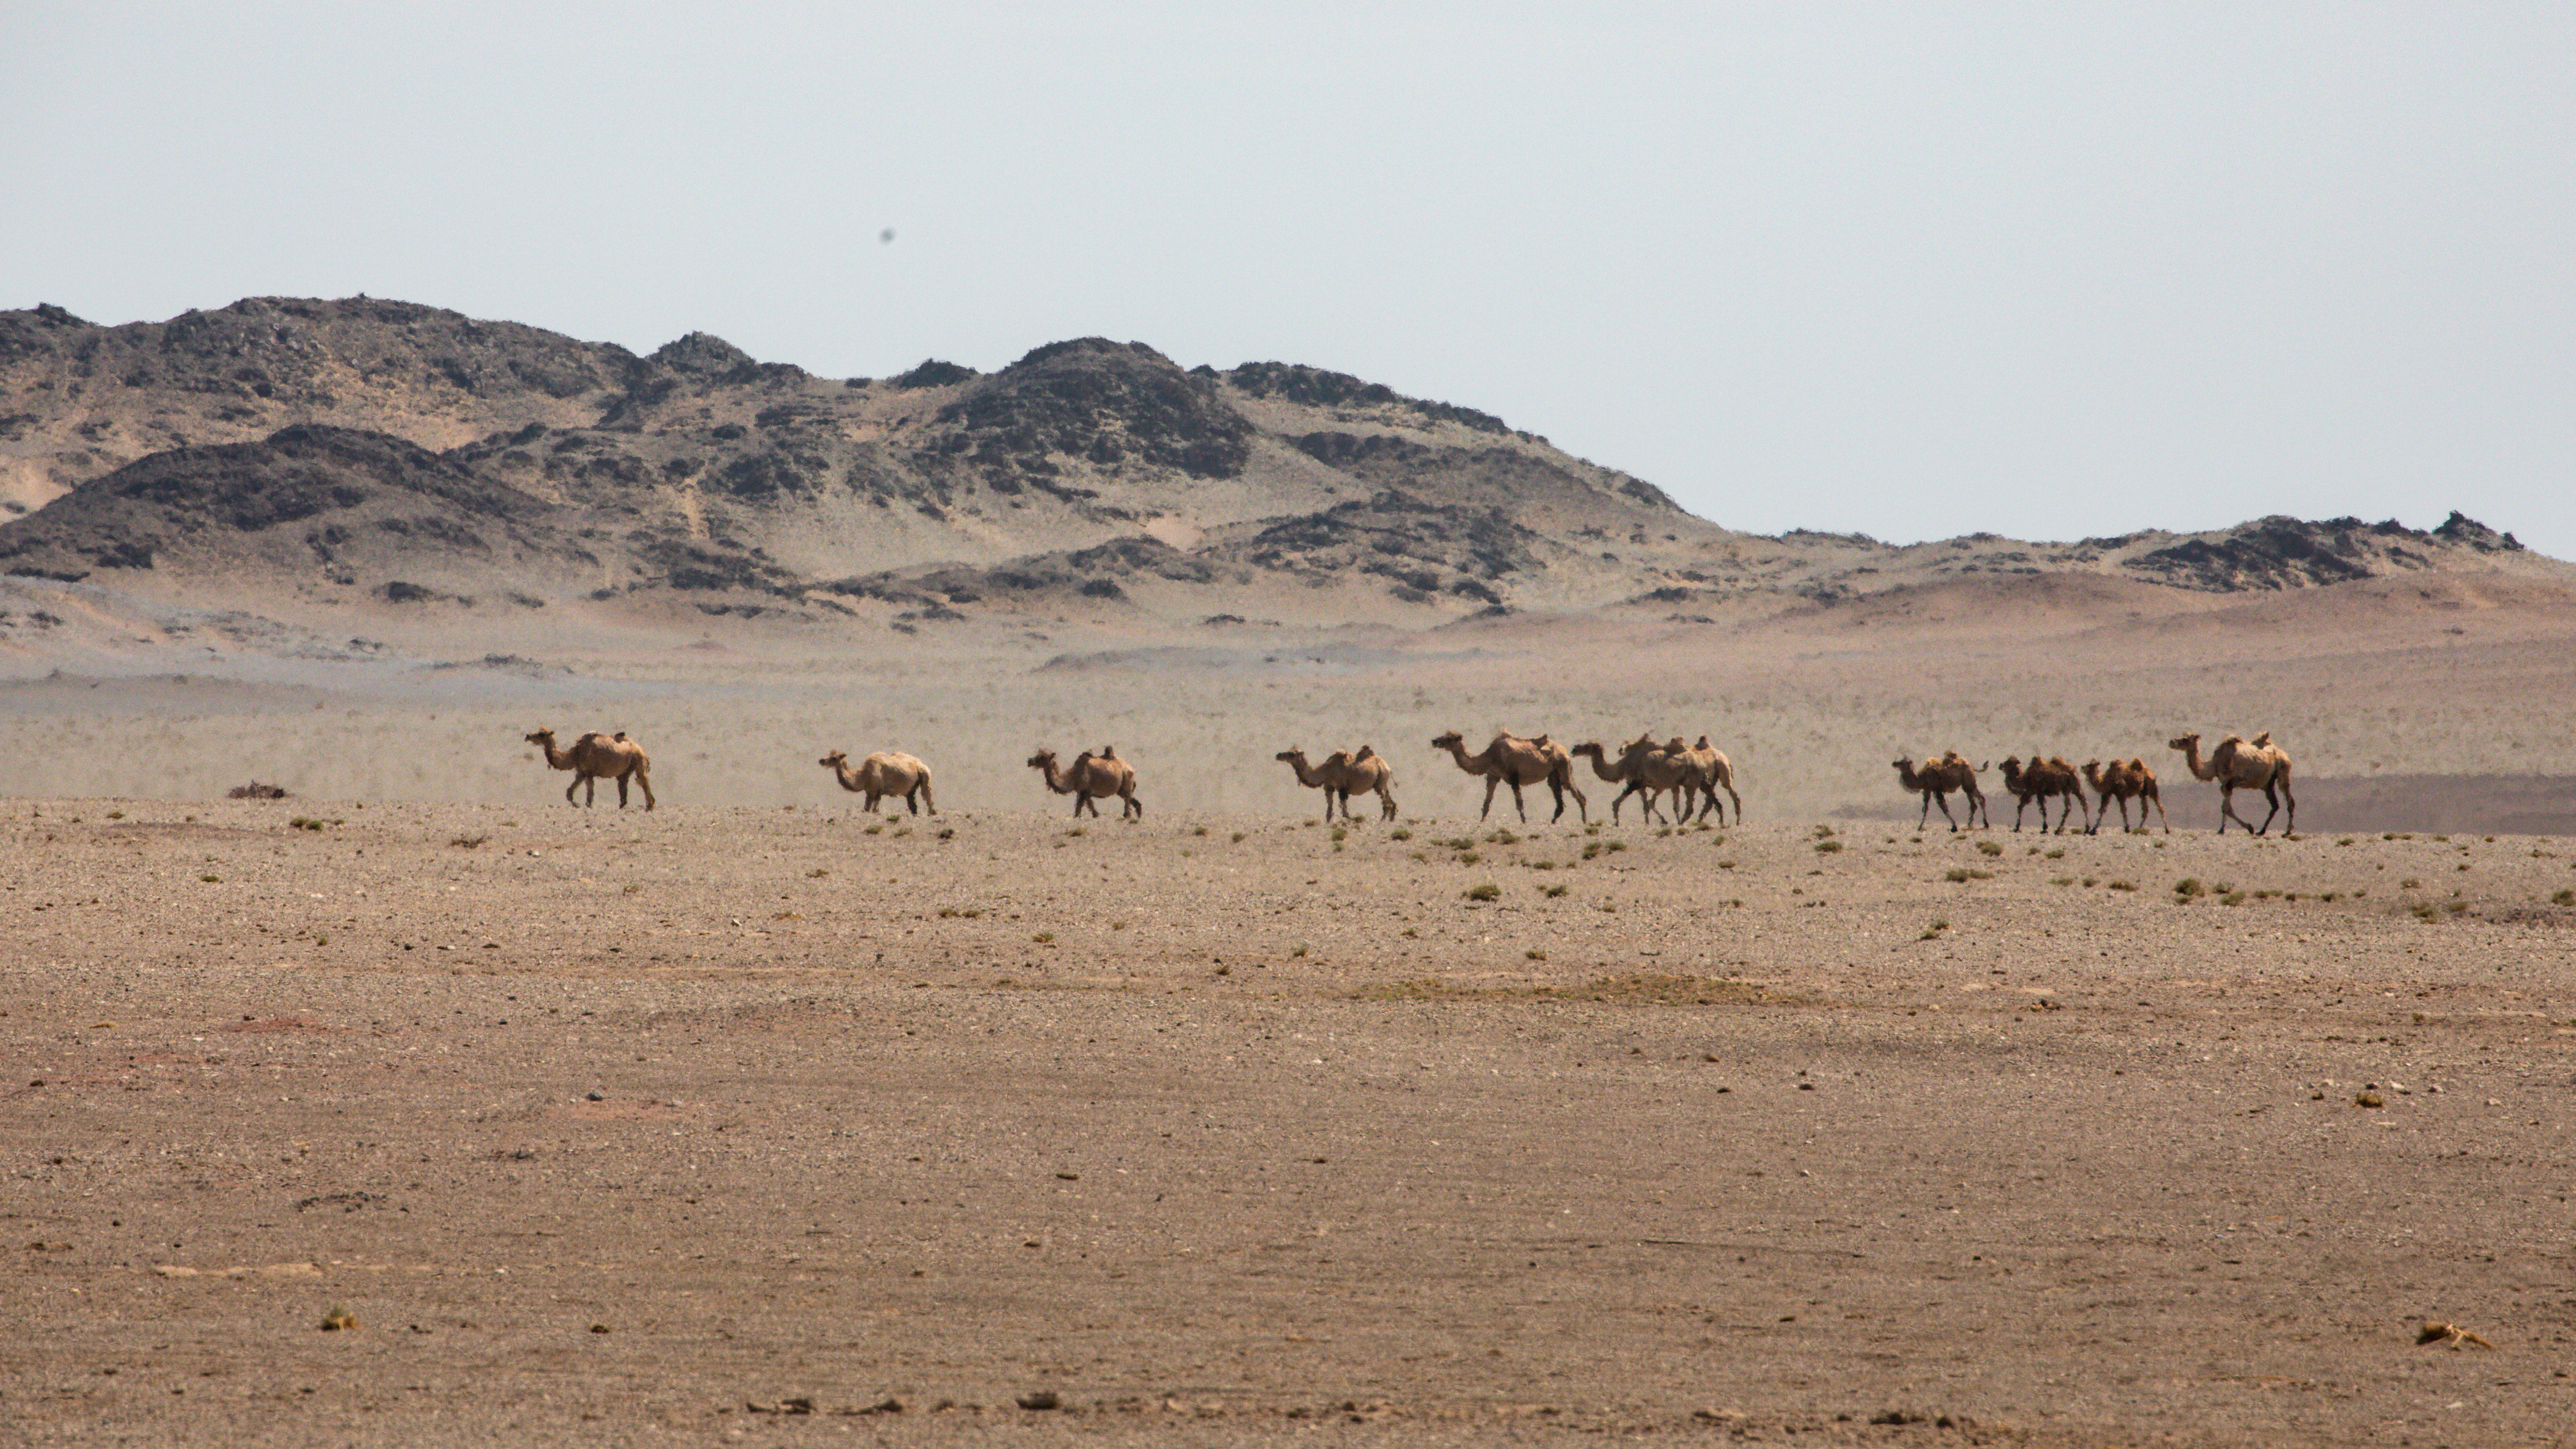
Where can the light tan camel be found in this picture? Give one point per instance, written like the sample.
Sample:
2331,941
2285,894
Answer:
2241,764
2039,780
596,757
1512,760
1344,774
1646,768
883,774
1716,772
2124,780
1937,779
1092,777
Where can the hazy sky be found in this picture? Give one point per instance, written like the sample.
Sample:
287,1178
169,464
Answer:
2051,270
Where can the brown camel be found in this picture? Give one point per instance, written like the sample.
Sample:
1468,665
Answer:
2039,780
596,757
1716,772
1512,760
883,774
1647,769
2123,780
1937,779
1344,774
2241,764
1092,777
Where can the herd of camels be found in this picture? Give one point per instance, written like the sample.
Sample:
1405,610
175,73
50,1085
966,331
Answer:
1693,775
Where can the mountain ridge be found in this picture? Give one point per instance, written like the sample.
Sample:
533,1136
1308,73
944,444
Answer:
370,451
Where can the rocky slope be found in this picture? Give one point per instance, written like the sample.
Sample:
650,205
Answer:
365,450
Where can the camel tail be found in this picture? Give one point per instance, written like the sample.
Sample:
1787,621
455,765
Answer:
928,803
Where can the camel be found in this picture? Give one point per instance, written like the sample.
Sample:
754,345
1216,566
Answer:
1092,777
2038,780
596,757
884,774
1343,774
1937,779
2122,780
2242,764
1517,761
1646,768
1716,772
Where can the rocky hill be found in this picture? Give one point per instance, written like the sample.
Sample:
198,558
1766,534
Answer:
366,451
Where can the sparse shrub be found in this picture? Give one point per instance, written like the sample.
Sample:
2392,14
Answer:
1828,847
1551,892
2122,885
1535,954
468,842
2189,886
1201,830
1484,892
1726,865
1340,834
1469,857
1989,848
1961,874
2410,884
2563,898
1238,837
1299,953
1044,938
2058,854
1399,833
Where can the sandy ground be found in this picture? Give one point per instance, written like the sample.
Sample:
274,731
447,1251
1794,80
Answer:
778,1125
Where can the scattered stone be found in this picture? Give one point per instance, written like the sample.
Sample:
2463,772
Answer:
1040,1400
2449,1335
339,1320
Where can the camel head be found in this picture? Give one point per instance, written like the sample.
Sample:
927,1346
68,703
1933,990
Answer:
1448,740
2093,771
1042,760
543,739
2184,743
1588,747
2012,767
1291,756
834,760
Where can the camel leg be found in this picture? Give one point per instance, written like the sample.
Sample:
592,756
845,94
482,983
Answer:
571,790
1942,799
1926,818
644,782
2291,825
1518,803
1582,807
1134,804
2273,796
621,792
1732,799
1977,807
1491,783
2142,813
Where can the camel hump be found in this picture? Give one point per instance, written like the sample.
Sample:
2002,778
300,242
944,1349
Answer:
1367,752
2262,740
1108,752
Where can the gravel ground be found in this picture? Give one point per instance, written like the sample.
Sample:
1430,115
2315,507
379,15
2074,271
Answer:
768,1125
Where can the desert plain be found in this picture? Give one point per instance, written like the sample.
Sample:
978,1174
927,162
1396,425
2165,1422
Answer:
420,1107
756,1118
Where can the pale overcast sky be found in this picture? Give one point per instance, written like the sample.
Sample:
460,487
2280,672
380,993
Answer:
2049,270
